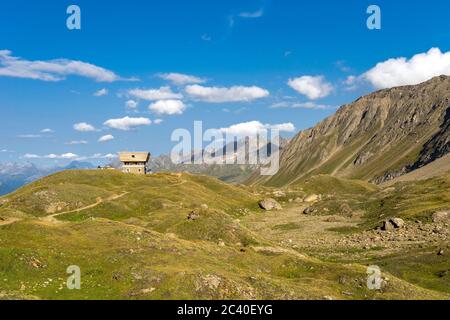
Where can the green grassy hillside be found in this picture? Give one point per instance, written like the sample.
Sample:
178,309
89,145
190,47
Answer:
132,238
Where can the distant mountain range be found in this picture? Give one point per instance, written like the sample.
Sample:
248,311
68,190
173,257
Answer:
15,175
377,138
231,173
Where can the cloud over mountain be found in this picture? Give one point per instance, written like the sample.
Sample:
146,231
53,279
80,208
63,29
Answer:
314,87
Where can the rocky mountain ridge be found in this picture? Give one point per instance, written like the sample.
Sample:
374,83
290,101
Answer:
376,138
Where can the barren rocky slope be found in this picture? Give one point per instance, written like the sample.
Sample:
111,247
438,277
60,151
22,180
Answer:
378,137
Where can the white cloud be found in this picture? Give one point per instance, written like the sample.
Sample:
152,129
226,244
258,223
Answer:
62,156
314,87
221,95
401,71
51,156
301,105
254,127
131,104
163,93
101,92
31,156
51,70
106,138
180,79
169,107
158,121
283,127
255,14
84,127
29,136
70,156
75,142
47,130
127,123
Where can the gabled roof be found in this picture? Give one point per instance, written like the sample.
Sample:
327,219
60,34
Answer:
134,156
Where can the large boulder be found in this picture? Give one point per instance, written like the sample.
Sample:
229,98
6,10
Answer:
270,204
391,224
441,216
312,198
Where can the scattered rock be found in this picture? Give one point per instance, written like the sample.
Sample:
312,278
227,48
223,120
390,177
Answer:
334,219
444,273
298,200
441,216
204,206
270,204
194,215
345,210
148,290
279,194
310,210
441,252
312,198
35,263
398,223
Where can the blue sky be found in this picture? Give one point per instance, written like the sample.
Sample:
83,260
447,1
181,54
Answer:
253,63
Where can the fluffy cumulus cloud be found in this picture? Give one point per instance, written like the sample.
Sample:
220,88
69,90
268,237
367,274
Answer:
168,107
106,138
127,123
180,79
101,92
51,70
84,127
402,71
221,95
158,121
314,87
254,127
163,93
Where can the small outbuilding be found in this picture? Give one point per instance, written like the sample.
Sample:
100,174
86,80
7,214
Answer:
134,162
